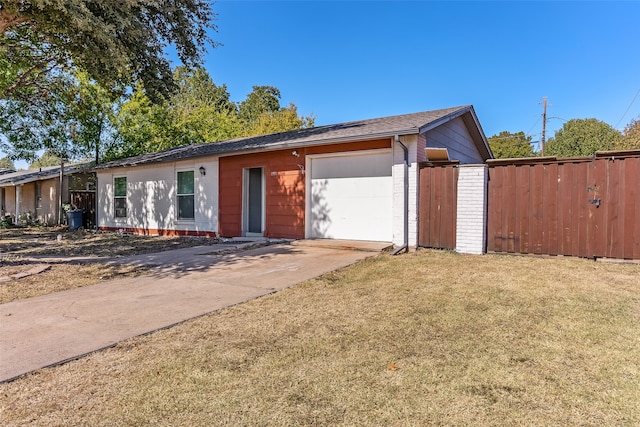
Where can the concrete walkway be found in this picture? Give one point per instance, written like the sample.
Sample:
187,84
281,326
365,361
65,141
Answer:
184,284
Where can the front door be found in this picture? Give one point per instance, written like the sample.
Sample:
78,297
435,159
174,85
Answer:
253,212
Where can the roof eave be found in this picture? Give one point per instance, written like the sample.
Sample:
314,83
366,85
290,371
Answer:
475,129
272,147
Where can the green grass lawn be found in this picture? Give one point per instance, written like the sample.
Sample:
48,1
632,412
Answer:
428,338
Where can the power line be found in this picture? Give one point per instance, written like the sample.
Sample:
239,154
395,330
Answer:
628,108
534,125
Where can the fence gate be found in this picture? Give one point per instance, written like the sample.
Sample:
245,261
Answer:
437,207
86,201
578,207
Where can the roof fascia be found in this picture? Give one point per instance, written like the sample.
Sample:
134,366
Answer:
328,141
274,147
28,176
472,123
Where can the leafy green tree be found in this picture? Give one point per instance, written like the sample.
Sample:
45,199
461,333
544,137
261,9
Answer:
143,127
283,120
582,137
630,139
40,123
90,113
47,159
115,42
508,145
7,163
200,111
263,99
203,110
72,121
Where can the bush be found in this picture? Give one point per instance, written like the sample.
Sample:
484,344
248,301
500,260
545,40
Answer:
6,222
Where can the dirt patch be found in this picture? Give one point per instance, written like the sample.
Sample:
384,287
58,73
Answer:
18,244
58,277
54,241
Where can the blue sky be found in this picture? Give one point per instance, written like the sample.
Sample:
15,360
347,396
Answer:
341,61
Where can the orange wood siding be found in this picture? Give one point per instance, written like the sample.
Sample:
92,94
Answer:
285,187
285,196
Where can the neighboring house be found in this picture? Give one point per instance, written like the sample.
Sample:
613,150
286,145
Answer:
34,195
343,181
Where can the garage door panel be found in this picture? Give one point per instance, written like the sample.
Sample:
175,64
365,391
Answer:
352,166
352,207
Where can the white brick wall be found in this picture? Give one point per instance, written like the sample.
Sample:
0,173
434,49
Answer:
411,142
472,209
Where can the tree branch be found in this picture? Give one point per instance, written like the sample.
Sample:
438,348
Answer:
8,20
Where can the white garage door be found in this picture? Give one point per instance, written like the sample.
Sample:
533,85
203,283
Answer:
352,197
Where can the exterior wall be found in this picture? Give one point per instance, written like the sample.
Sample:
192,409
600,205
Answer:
9,207
412,143
285,198
28,200
152,199
48,213
455,137
284,193
472,209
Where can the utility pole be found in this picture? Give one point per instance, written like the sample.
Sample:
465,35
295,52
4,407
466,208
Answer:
544,122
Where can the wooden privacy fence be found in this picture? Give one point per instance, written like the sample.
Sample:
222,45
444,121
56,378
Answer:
86,201
437,206
585,207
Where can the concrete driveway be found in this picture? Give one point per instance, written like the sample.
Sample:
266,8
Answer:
186,283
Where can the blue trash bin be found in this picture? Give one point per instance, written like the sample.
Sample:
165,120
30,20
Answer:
75,219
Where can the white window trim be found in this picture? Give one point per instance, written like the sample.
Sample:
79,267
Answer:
125,197
185,220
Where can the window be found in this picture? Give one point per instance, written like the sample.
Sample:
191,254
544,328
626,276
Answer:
185,195
38,195
120,197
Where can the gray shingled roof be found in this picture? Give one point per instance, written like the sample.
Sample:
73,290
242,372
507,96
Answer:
31,175
406,124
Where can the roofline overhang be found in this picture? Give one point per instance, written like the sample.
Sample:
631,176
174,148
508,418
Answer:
328,141
274,147
476,130
35,175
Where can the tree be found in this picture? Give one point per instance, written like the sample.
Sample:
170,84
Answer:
143,127
199,112
203,110
47,159
582,137
507,145
40,123
283,120
263,99
115,42
72,121
7,163
630,139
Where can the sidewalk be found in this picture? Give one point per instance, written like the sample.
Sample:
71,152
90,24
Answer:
185,283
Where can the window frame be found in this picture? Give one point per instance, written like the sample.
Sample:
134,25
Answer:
38,194
119,198
180,195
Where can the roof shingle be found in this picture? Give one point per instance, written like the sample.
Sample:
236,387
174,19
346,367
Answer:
343,132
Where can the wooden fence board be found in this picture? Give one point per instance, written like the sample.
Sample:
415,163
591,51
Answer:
438,207
578,207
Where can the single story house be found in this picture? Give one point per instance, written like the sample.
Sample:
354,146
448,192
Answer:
355,180
34,195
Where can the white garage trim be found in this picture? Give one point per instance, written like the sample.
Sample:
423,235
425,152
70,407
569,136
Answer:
350,195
